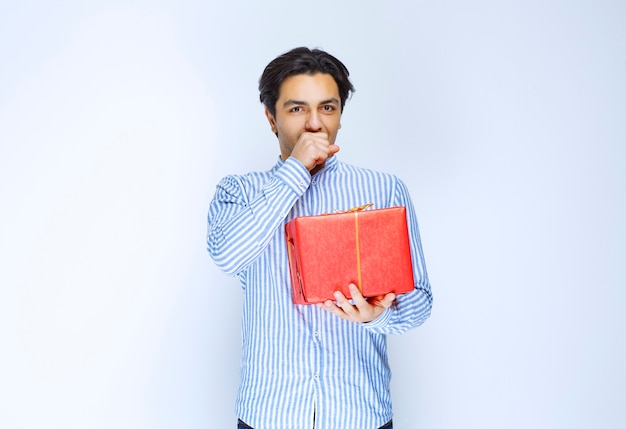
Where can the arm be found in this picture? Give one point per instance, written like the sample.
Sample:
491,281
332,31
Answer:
240,226
412,309
390,314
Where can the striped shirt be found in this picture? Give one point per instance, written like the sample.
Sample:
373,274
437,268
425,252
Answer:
301,366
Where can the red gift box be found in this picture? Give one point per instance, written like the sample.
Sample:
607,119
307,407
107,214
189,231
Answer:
369,248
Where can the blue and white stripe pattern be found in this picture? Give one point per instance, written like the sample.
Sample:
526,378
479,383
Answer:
299,362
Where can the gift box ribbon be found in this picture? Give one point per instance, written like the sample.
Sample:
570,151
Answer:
356,211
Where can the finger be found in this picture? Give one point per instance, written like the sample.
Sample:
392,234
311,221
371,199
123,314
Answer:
328,305
333,149
388,300
358,298
320,138
331,307
321,158
313,149
343,302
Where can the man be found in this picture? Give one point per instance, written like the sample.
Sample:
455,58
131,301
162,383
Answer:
318,366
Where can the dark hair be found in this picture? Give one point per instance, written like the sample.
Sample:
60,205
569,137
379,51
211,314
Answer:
302,61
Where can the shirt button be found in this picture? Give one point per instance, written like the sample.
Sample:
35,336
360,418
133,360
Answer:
317,377
301,184
316,333
313,182
283,214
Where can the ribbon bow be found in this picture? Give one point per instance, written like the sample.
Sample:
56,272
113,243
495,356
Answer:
355,209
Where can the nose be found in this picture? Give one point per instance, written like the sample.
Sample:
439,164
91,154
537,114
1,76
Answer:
313,123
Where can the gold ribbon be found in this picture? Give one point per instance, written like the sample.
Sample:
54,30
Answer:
358,249
356,209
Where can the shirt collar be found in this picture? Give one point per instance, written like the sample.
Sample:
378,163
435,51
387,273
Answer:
328,165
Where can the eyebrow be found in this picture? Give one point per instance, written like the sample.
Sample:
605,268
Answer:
304,103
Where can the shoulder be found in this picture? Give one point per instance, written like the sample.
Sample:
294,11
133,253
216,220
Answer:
250,177
244,182
382,188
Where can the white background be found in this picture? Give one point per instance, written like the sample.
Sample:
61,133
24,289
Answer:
506,119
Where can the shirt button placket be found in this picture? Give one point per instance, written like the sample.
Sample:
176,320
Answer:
317,345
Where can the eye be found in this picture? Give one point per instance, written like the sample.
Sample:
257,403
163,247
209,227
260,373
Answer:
328,108
296,109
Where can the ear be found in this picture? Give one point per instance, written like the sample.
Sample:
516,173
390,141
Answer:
271,120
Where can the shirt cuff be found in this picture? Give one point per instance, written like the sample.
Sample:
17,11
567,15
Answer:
295,175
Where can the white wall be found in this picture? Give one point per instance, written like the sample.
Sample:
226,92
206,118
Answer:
505,119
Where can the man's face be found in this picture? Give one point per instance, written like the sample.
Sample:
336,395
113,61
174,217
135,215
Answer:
306,104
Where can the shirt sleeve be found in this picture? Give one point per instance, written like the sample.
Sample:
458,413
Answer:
413,308
240,225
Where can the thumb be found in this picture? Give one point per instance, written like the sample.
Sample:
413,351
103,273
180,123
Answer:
388,300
